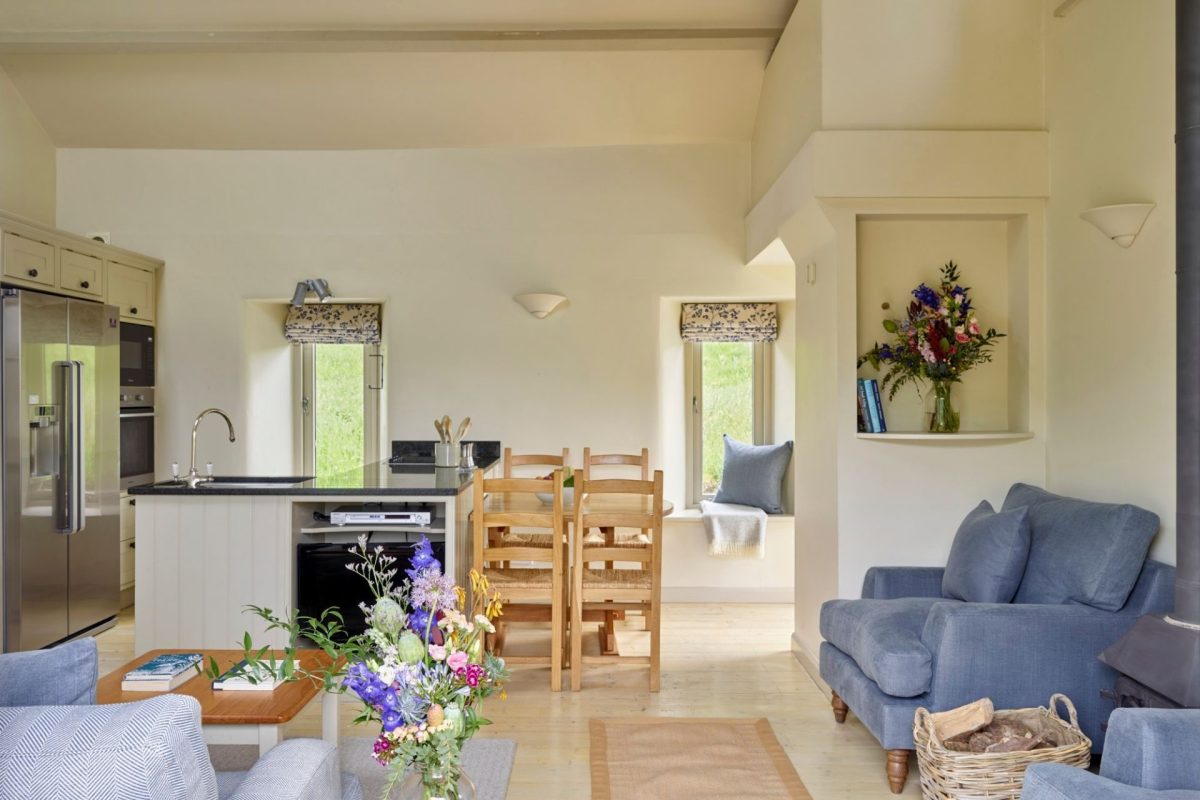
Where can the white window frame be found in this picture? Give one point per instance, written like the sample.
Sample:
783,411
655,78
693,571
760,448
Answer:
305,394
764,393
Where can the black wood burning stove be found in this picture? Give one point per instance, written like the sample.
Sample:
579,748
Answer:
1159,659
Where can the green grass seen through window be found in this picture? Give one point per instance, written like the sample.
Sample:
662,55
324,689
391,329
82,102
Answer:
728,391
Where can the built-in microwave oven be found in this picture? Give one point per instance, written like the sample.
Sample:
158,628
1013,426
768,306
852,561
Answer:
137,355
137,436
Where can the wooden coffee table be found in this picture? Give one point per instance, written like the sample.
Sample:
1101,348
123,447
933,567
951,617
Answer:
238,717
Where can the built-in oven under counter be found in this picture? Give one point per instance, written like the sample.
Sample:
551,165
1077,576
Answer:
137,436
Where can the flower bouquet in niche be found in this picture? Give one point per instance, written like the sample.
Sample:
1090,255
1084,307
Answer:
421,668
937,341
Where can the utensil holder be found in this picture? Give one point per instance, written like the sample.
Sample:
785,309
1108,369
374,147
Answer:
466,455
444,455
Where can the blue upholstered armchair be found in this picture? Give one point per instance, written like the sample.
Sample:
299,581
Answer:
1078,587
1151,754
54,743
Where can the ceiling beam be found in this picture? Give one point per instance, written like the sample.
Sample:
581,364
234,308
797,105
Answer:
317,41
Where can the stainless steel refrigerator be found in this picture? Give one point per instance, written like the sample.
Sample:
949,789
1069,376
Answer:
59,487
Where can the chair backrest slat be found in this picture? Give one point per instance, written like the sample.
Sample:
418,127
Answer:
616,460
534,460
504,516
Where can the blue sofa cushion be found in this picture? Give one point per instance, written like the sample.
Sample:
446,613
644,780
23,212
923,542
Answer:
61,676
753,475
884,639
988,556
1081,551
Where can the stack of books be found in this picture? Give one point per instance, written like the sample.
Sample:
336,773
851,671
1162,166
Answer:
163,673
870,407
244,678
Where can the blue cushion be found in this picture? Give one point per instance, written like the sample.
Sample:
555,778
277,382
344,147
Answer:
988,556
884,639
61,676
753,474
1081,551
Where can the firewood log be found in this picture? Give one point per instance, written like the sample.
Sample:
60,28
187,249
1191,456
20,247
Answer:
963,720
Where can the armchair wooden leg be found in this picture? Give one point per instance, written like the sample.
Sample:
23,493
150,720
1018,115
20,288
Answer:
839,709
897,769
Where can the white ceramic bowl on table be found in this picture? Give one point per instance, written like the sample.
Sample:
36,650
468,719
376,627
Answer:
548,497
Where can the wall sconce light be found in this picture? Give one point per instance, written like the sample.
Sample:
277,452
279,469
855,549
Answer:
319,286
1122,223
540,304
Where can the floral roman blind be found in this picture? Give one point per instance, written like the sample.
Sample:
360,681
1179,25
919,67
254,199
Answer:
333,323
729,322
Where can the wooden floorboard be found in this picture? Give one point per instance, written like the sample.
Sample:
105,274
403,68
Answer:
718,661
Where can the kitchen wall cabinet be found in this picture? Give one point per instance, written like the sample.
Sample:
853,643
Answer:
28,260
39,257
131,289
80,273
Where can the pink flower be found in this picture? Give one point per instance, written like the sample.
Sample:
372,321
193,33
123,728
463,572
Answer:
437,652
457,660
960,335
974,327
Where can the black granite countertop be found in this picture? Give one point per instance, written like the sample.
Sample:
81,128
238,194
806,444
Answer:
410,472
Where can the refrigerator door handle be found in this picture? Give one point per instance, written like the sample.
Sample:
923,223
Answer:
68,500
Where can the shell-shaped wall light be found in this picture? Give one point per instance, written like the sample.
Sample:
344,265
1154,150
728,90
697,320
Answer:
540,304
1122,222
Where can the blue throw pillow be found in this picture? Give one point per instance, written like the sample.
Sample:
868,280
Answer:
1081,551
753,474
987,559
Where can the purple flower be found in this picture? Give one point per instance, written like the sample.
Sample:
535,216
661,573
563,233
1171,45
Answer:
391,720
926,296
433,591
422,559
418,620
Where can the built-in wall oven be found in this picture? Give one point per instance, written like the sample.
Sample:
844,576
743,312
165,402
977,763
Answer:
137,404
137,436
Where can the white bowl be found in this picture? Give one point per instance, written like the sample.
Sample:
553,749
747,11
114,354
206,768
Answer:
548,497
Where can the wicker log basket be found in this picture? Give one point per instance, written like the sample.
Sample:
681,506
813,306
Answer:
954,775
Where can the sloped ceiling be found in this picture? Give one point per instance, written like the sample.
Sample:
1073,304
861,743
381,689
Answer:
310,74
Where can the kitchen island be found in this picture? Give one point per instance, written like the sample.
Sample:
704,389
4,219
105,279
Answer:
206,553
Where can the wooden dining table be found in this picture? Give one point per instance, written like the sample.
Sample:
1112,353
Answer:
524,503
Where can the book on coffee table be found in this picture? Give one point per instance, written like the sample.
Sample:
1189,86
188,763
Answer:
162,673
241,677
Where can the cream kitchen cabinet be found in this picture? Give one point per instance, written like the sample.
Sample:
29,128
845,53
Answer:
80,273
132,289
128,549
28,260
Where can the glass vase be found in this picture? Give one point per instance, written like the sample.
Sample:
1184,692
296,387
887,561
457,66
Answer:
944,418
434,785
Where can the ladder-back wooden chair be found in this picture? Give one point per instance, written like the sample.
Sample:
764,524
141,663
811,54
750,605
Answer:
625,506
513,463
508,502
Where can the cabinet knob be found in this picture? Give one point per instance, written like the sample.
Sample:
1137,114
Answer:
133,545
133,501
84,284
33,273
133,310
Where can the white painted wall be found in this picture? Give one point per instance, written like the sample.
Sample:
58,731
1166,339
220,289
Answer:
789,106
444,239
26,158
1110,87
934,64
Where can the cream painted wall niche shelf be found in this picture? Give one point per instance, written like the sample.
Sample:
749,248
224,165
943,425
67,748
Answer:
946,438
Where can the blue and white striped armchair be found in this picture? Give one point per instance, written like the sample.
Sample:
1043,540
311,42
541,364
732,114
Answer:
55,743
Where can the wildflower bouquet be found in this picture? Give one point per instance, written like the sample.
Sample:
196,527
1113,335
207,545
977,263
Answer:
420,669
937,341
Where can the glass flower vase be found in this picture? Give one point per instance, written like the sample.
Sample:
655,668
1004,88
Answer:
944,418
434,785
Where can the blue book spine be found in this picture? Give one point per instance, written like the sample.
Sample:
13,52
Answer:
872,414
877,406
864,415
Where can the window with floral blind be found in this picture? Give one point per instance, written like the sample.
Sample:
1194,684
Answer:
728,357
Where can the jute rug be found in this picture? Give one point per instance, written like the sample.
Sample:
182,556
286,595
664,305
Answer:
697,759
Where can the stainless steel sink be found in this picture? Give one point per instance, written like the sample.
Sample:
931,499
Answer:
270,482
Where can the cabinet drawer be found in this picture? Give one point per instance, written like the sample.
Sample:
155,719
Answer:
81,273
128,551
131,289
28,260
